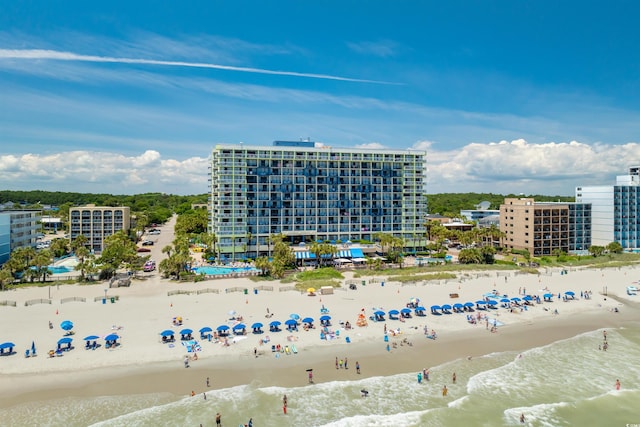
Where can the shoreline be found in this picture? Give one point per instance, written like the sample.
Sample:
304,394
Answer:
226,372
143,365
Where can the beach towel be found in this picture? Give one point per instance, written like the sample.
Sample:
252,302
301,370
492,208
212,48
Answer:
192,346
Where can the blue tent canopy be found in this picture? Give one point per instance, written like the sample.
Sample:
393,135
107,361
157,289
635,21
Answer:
294,316
91,338
507,300
205,329
405,310
435,308
527,298
356,253
111,337
65,340
7,345
239,326
492,302
570,293
307,320
275,323
186,331
223,328
515,299
548,295
327,317
378,313
167,333
446,307
257,325
458,305
290,322
468,304
393,312
420,309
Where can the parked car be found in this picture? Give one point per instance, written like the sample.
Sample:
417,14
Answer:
149,266
147,243
144,250
153,232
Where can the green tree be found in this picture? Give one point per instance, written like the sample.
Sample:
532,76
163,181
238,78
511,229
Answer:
41,262
263,264
614,248
596,250
470,256
118,249
6,278
59,247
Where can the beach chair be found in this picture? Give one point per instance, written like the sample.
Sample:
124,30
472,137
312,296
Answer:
27,354
273,348
348,340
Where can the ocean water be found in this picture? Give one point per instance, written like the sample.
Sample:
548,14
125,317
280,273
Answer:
567,383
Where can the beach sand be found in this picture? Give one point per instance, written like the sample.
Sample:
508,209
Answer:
142,364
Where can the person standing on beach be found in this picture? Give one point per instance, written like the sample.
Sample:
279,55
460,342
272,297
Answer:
208,382
218,419
617,384
425,374
454,378
186,361
444,391
357,367
337,363
522,419
345,363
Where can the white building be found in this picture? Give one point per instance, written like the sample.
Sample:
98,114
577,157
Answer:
615,210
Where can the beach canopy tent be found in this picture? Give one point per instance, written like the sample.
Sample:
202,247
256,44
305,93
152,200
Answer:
393,314
239,329
548,297
291,324
481,304
492,302
222,328
275,326
516,299
405,310
527,298
167,333
420,311
469,304
205,329
378,315
326,317
91,338
294,316
505,300
186,331
458,307
435,308
307,320
257,328
112,337
7,345
67,325
66,341
570,294
446,308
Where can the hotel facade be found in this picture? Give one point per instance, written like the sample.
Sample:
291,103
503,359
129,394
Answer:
543,228
313,193
18,229
615,210
98,222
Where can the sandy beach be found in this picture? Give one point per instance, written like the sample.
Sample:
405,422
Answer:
143,364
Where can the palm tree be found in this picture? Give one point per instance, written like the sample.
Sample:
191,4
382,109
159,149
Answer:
6,277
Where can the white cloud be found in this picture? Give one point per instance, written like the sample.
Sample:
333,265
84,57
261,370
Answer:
519,166
371,146
45,54
500,167
87,171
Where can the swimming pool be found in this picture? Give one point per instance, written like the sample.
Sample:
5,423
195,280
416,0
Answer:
59,269
216,271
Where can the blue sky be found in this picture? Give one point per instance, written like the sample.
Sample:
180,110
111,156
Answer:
130,97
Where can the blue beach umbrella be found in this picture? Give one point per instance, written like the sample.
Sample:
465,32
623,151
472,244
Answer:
167,333
405,310
65,340
327,317
239,326
186,332
67,325
111,337
307,320
435,308
516,299
505,300
548,295
205,329
468,304
446,307
290,322
570,293
223,328
257,325
527,298
294,316
393,312
492,302
275,323
91,338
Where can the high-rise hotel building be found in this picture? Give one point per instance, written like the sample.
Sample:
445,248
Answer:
308,192
616,210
